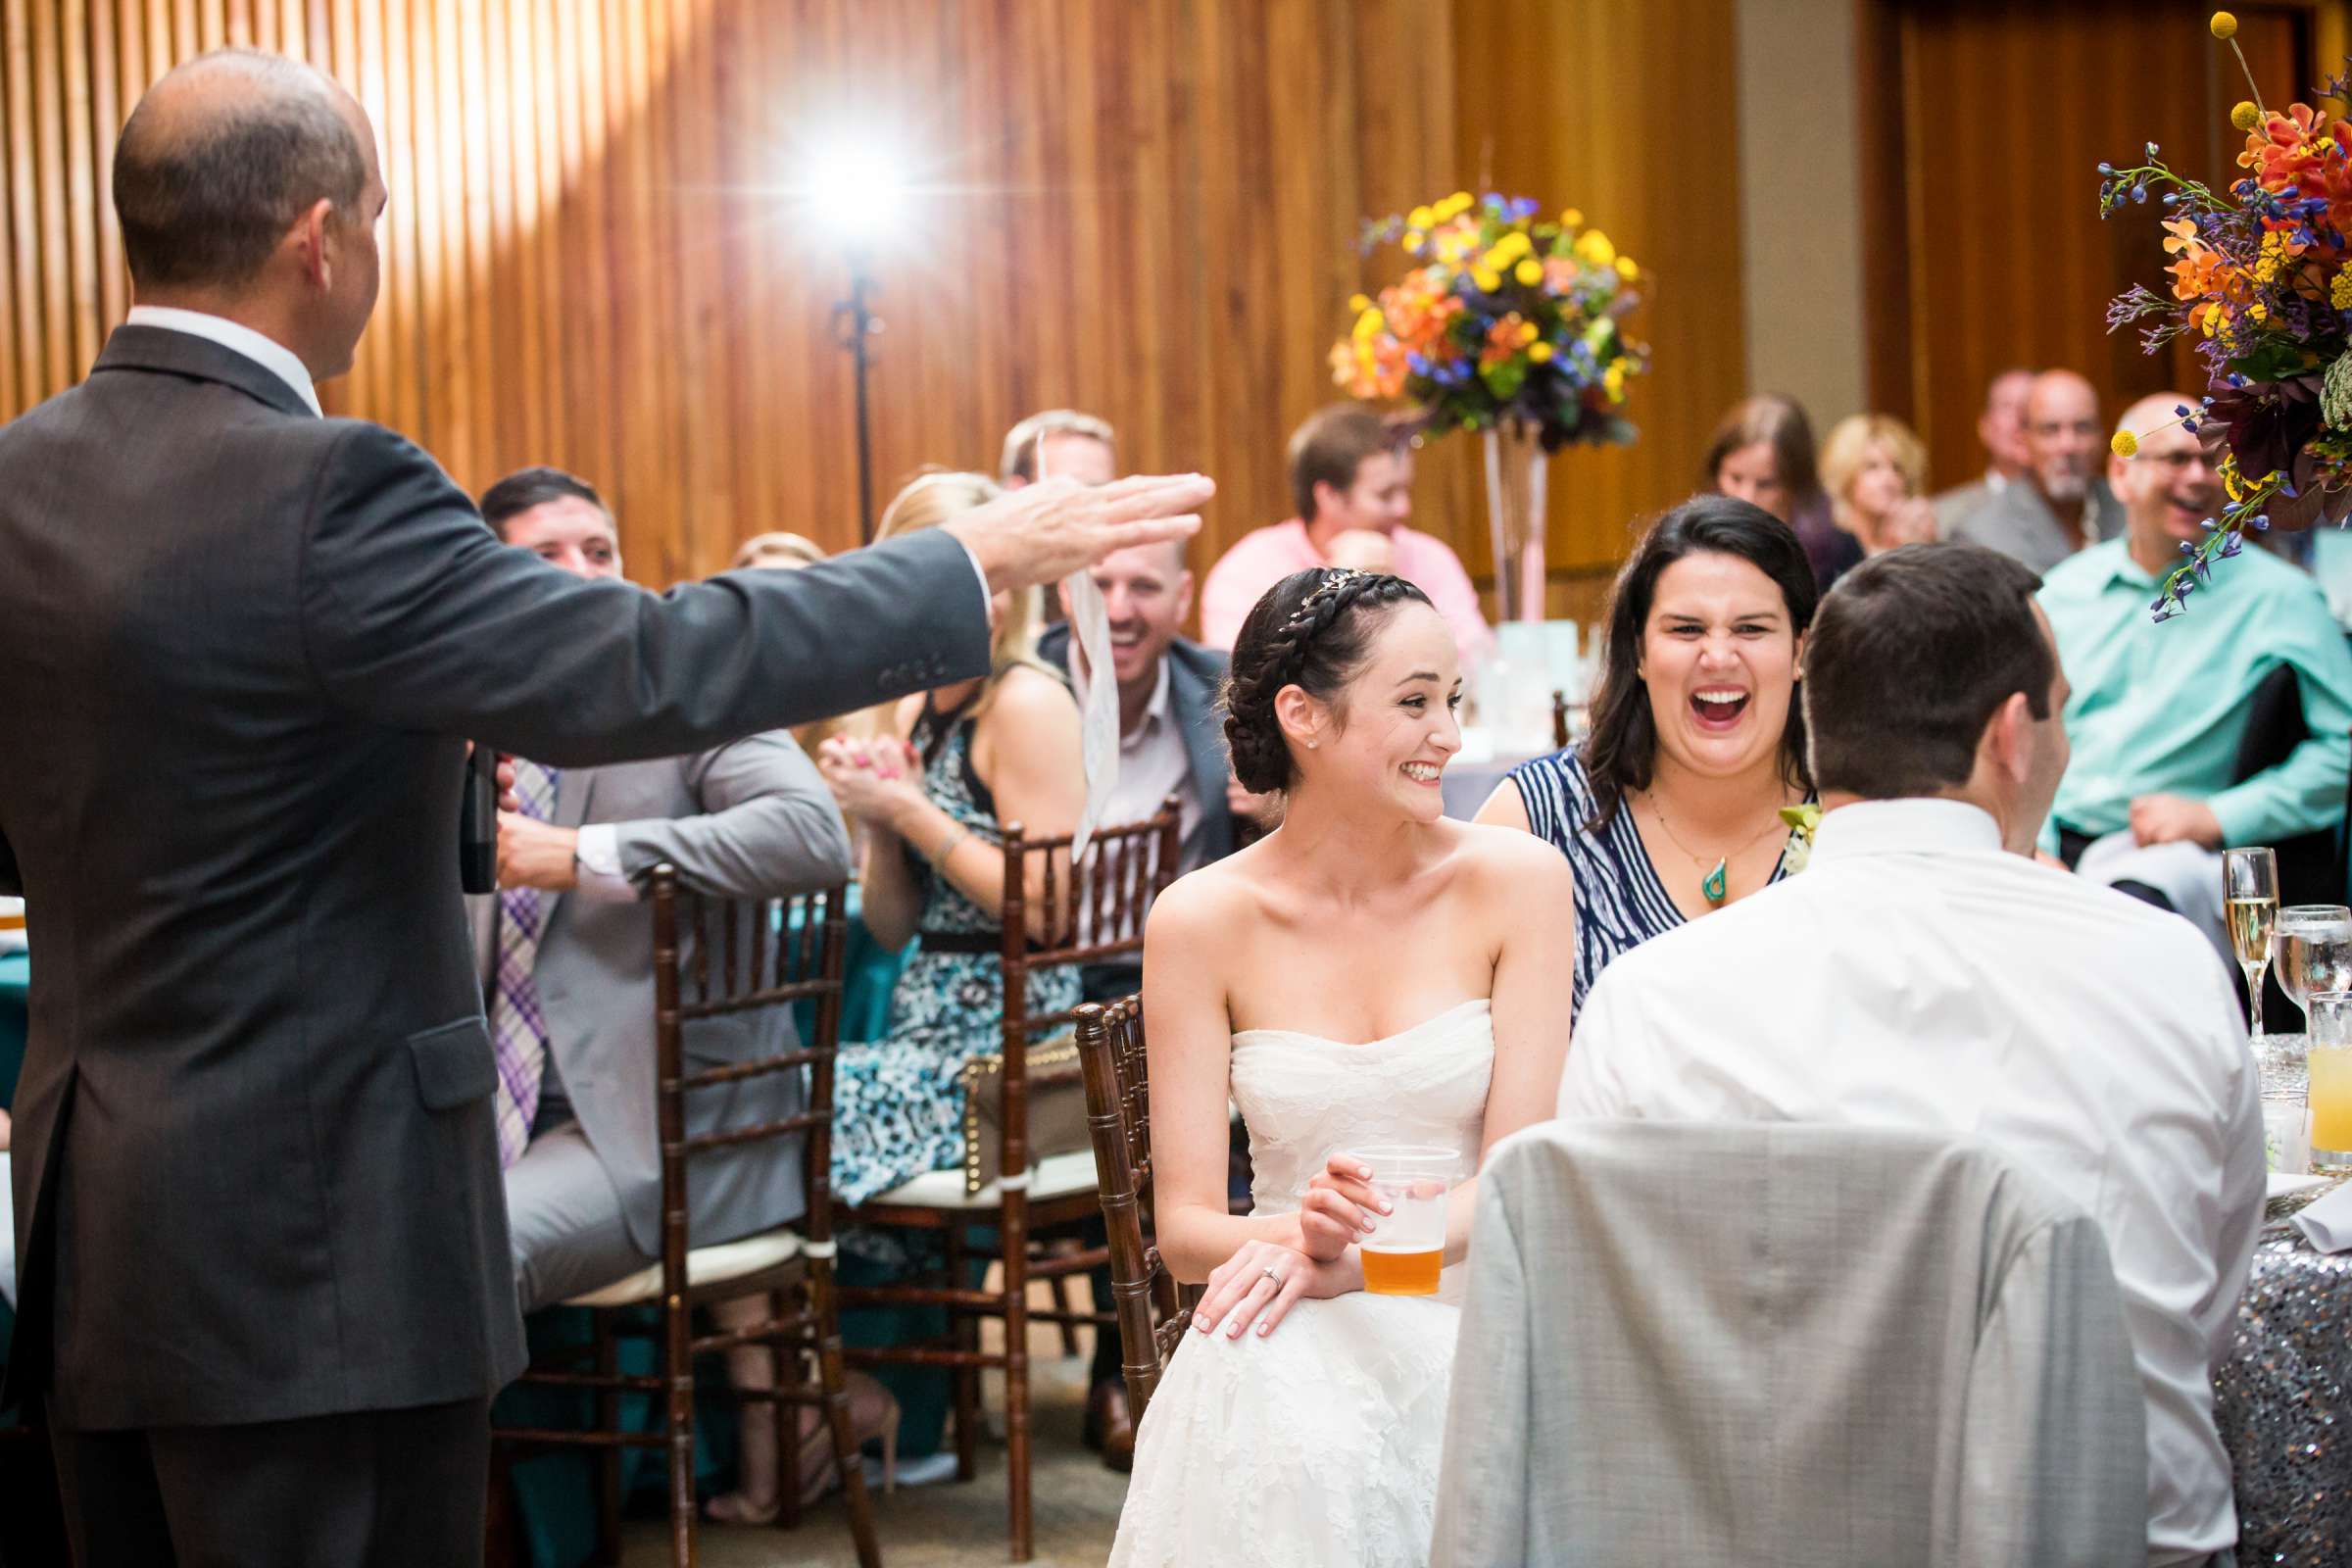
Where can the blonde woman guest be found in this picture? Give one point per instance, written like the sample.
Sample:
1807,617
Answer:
1874,469
784,550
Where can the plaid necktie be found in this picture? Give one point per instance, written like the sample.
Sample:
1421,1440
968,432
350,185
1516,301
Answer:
517,1029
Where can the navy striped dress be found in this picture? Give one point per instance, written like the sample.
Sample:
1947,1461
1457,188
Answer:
1620,903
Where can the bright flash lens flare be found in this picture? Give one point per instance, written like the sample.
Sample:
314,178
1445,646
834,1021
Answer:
857,191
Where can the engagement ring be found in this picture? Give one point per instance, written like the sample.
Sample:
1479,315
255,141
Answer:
1273,1274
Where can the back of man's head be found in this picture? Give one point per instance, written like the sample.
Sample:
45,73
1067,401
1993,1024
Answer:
220,159
1910,656
1330,446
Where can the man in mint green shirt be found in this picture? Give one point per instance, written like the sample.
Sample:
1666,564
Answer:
2158,712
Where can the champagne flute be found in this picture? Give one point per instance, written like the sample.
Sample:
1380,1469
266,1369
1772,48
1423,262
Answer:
2311,946
2250,903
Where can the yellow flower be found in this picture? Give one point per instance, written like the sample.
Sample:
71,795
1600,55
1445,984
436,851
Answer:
1612,381
1593,249
2125,444
1486,278
1527,331
1419,217
1414,239
2224,25
1572,217
2244,116
2258,312
1627,269
1460,201
1359,303
1538,352
2339,291
1528,272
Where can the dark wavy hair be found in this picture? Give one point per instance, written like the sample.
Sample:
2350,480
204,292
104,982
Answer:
1624,742
1311,630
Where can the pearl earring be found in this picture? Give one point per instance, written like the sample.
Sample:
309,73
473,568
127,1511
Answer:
1310,744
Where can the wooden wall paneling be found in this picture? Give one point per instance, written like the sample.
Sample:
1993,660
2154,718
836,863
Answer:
13,233
49,150
81,215
108,278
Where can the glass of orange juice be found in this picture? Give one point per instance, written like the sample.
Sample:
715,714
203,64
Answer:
2331,1091
1408,1246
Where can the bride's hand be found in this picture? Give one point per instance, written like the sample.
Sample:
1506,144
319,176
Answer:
1336,1212
1258,1284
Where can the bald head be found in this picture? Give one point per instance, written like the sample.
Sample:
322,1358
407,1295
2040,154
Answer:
2167,489
2063,438
223,156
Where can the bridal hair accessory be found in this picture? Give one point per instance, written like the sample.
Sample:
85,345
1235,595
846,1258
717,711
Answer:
1323,590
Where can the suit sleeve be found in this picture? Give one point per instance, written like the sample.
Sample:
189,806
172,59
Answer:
416,616
768,826
1482,1490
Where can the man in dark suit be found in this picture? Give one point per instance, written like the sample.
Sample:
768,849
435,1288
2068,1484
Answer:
265,1287
565,951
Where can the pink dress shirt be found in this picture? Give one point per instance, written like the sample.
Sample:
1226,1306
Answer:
1264,558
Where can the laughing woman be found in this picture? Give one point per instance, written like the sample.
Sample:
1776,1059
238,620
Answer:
1672,807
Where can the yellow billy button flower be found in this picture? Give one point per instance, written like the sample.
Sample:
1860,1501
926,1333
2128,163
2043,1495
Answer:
2224,25
2339,290
1486,278
1538,352
1627,269
2244,116
2125,444
1414,239
1572,217
1419,217
1593,249
1612,381
1359,303
1529,273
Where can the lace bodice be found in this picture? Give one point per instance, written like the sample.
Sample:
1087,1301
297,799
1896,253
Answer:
1305,1097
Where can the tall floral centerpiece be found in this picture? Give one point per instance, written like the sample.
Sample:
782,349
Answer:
2260,282
1509,326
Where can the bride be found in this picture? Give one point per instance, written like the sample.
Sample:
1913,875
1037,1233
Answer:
1369,973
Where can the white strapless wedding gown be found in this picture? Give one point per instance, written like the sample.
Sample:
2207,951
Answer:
1318,1443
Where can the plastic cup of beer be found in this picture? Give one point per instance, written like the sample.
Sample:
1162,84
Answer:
1407,1248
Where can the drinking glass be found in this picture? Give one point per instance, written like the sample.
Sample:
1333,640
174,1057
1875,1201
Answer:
2311,945
2331,1091
2250,903
1408,1246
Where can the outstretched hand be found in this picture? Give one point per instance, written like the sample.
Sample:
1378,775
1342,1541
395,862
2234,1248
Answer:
1043,532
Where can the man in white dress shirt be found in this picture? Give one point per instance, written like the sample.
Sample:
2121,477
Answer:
1923,971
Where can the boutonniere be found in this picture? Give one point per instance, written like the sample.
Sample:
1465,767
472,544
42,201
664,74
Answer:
1802,820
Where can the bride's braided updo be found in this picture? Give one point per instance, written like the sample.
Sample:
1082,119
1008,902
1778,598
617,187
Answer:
1311,630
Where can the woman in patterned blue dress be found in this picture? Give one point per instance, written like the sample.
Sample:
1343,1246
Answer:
1671,807
930,796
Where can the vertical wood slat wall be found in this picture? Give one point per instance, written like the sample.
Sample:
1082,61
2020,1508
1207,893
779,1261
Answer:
1145,208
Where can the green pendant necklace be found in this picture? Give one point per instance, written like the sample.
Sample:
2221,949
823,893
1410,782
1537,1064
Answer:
1717,884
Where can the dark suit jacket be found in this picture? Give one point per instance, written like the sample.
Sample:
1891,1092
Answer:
1196,674
255,1167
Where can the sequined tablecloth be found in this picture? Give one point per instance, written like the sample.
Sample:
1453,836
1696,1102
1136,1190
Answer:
2283,1401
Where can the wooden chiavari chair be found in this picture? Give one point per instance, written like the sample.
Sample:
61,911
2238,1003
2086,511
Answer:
694,935
1086,913
1151,1309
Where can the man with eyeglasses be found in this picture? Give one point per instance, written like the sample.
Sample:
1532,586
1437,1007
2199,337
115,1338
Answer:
2158,713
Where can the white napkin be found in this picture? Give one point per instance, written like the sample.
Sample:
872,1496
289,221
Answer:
1098,700
2328,1223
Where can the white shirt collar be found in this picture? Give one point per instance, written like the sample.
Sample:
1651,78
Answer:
266,352
1921,824
1155,711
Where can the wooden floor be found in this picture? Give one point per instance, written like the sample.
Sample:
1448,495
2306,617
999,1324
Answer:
950,1523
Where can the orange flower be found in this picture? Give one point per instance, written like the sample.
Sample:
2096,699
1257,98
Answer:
2302,150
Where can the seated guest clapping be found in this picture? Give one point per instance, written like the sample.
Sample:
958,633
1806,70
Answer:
1671,807
567,961
1873,466
2159,712
932,798
1925,973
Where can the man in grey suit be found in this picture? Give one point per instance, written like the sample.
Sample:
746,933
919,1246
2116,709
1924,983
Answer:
567,957
2001,432
264,1285
2062,504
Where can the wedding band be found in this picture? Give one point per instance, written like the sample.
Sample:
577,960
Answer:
1273,1274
